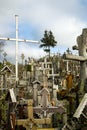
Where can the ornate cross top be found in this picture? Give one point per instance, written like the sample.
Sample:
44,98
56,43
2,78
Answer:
45,98
46,107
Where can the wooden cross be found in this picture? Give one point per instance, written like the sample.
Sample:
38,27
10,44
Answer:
82,57
46,108
31,122
81,107
45,71
53,76
17,40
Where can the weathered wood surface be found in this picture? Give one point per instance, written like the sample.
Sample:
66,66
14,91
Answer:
74,57
31,121
81,106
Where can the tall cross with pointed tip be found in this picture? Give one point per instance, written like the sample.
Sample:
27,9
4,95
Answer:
16,49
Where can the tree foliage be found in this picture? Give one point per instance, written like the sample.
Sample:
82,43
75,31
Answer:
48,41
3,108
1,65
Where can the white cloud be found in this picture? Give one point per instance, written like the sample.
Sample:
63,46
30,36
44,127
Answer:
27,50
30,51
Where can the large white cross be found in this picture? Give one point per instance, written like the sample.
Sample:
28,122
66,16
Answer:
17,40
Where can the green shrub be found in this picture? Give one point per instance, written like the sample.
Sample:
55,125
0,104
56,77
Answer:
3,108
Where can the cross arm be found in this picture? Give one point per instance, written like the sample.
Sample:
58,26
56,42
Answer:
21,121
74,57
19,40
37,110
53,75
58,109
25,122
42,121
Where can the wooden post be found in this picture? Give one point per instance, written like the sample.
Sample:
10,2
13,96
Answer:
12,120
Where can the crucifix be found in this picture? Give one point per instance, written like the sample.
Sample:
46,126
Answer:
16,49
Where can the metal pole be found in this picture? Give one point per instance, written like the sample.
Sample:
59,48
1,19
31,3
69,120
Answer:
16,66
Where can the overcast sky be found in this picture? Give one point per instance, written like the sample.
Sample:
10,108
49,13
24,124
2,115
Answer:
65,18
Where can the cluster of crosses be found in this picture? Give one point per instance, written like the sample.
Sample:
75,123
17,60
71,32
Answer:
44,110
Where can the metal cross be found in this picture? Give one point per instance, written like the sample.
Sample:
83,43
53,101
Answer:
17,40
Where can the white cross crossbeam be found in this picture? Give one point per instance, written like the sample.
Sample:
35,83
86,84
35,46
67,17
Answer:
19,40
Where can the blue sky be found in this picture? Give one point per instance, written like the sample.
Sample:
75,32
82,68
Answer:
65,18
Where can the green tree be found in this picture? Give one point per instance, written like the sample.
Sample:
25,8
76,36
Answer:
48,41
1,65
3,108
